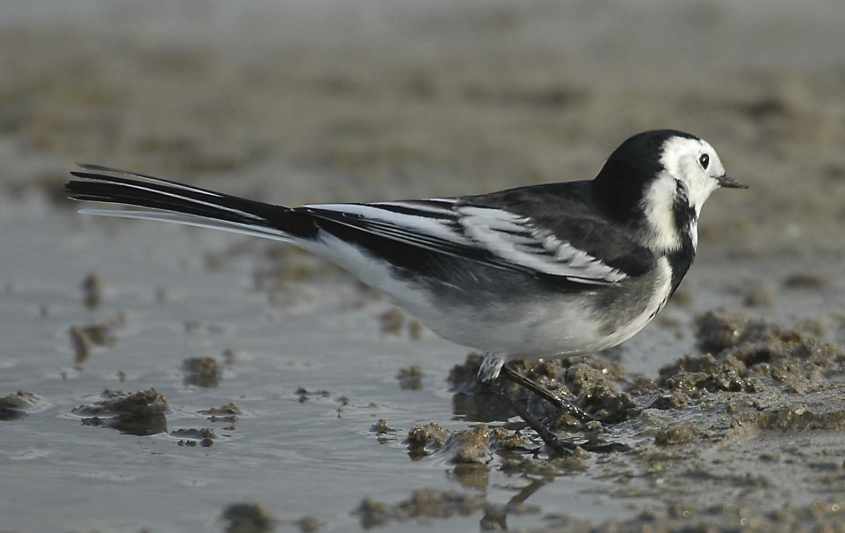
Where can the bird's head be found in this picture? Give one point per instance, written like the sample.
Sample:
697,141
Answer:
658,181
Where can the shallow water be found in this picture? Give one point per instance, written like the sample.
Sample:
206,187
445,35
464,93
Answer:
303,102
313,458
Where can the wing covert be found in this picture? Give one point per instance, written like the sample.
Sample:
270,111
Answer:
521,241
488,235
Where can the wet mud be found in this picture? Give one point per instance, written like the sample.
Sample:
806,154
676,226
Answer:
138,413
685,427
16,405
248,518
202,371
268,377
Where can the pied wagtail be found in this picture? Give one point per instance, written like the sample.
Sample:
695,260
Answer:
552,269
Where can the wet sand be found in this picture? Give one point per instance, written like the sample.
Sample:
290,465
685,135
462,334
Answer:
249,374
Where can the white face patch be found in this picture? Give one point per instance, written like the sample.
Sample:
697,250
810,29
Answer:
682,162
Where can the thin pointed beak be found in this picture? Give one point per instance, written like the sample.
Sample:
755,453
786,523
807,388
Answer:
730,183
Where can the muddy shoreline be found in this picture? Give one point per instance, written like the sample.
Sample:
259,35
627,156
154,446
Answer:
222,383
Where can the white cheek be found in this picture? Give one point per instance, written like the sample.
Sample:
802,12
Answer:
699,189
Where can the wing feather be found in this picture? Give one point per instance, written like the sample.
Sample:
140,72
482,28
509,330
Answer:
492,236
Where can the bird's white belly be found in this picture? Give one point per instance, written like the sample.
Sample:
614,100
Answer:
554,324
560,324
545,328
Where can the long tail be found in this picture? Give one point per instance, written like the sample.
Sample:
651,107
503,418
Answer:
173,202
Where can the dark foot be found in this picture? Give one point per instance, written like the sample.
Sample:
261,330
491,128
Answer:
562,404
551,440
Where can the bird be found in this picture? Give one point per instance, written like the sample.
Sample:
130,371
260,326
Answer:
552,269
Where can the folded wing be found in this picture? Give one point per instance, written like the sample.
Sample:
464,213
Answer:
492,236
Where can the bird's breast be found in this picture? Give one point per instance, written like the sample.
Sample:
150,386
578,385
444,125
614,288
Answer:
624,313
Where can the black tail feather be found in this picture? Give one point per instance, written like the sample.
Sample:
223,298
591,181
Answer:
102,184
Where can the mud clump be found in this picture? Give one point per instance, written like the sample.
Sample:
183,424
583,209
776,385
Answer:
676,399
381,427
424,504
303,394
463,376
227,412
374,514
691,375
470,450
598,393
410,378
424,439
804,281
471,446
717,330
798,420
201,371
226,409
139,413
248,518
677,434
16,405
308,524
205,436
744,352
504,440
764,377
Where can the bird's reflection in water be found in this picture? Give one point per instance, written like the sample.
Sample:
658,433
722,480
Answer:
496,517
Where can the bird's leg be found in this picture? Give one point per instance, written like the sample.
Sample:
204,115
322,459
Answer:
561,403
494,369
494,366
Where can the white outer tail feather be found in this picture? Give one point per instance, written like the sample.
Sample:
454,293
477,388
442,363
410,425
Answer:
192,220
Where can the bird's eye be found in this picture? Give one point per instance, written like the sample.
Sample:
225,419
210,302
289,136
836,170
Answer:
704,160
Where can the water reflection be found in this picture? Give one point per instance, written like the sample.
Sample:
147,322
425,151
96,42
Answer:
496,517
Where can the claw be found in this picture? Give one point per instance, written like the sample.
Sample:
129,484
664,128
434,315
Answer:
490,368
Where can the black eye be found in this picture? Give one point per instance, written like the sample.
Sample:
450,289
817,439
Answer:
704,160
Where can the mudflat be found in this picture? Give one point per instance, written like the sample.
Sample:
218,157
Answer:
177,379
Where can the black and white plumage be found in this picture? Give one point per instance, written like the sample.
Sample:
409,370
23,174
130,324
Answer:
560,268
